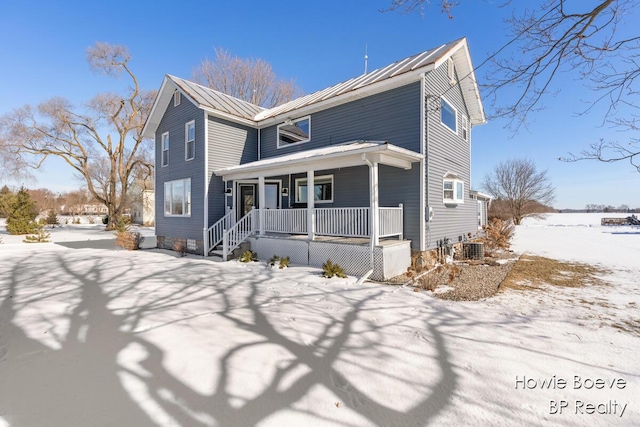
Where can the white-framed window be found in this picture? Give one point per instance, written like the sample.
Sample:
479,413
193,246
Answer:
190,140
165,149
480,213
451,71
452,189
177,98
448,115
322,189
464,127
177,197
294,132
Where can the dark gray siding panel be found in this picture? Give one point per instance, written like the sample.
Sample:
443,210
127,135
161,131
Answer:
174,121
392,116
402,186
446,152
230,144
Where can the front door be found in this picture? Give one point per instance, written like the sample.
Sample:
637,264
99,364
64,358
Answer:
248,197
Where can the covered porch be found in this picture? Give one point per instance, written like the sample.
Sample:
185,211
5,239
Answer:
311,212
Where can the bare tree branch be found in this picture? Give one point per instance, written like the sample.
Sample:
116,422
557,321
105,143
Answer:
107,163
252,80
521,187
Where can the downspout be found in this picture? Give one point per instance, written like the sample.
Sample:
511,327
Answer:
205,237
371,246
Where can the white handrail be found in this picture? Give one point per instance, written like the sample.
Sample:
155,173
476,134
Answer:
350,222
390,222
216,231
285,220
237,234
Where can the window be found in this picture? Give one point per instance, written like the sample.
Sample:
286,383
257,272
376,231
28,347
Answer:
451,71
465,127
177,197
190,140
177,98
322,189
294,132
452,189
480,214
165,149
448,115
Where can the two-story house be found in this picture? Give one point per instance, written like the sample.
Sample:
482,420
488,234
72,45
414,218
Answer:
362,173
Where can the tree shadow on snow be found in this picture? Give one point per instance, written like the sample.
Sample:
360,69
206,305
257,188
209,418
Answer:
95,310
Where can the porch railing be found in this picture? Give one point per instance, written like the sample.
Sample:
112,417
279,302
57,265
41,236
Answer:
348,222
216,231
237,234
285,220
390,222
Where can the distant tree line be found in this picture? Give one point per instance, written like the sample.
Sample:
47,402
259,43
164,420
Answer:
67,203
608,208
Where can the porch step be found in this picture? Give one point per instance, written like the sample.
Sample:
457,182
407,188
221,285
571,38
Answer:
216,252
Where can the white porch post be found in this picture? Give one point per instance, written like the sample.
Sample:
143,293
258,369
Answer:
311,211
261,204
374,204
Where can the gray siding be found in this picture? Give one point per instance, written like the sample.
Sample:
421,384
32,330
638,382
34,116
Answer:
230,144
174,121
392,116
446,152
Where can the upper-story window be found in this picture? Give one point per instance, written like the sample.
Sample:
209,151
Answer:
448,115
165,149
177,98
294,132
190,140
464,127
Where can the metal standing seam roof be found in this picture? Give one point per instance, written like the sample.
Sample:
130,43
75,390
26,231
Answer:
403,66
212,99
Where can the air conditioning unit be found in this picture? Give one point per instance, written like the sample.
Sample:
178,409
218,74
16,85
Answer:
473,250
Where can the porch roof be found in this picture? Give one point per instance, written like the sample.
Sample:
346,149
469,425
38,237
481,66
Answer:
355,153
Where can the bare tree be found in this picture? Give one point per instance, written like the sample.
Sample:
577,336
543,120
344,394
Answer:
519,188
595,41
252,80
101,142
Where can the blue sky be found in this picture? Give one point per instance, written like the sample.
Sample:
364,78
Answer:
43,45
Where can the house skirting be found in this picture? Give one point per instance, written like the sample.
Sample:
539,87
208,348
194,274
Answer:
391,258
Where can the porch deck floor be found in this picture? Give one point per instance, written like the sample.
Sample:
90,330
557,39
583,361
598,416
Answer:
356,241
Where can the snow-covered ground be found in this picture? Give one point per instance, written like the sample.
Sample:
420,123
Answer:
111,337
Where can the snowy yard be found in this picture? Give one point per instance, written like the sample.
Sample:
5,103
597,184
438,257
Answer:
111,337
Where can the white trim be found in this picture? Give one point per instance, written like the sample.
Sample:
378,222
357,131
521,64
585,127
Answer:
206,174
455,113
464,126
177,98
315,181
451,71
290,122
187,201
455,200
162,150
186,140
424,134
